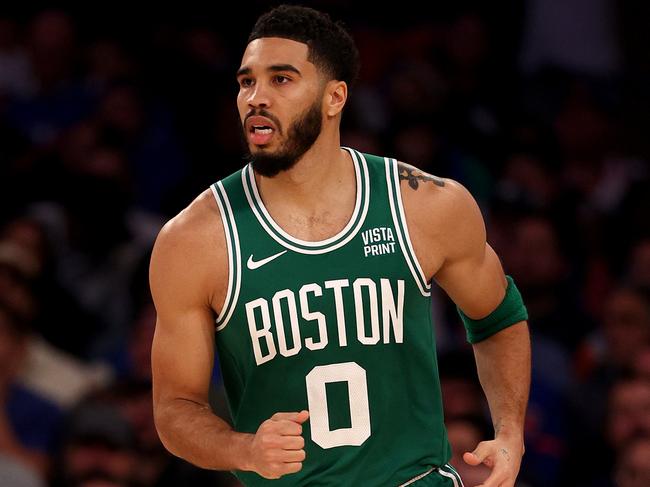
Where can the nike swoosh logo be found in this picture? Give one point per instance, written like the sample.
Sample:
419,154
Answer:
252,265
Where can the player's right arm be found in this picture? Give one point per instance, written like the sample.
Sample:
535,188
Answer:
188,268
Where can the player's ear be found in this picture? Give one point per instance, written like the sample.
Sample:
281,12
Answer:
336,94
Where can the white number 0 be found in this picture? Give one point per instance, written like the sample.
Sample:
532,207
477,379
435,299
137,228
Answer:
355,376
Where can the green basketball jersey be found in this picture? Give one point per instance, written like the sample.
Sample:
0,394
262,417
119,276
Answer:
341,327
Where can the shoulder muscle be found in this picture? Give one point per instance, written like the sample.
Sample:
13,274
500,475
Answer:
442,215
189,258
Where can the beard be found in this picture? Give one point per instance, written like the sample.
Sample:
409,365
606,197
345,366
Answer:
301,136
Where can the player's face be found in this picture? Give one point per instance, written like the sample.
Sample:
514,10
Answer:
279,102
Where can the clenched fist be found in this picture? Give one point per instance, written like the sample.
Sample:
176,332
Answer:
278,446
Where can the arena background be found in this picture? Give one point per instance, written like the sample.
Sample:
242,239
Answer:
112,119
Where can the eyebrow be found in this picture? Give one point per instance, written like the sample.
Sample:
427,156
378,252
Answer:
273,68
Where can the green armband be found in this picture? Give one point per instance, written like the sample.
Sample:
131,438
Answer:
510,311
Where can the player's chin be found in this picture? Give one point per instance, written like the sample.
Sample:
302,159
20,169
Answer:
259,151
260,148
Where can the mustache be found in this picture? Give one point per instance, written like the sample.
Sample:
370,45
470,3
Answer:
263,113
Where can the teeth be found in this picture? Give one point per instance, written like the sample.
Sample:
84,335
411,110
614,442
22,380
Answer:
261,130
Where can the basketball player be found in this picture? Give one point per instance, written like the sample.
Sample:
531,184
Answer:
317,262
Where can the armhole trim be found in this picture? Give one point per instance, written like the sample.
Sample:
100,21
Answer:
234,257
399,221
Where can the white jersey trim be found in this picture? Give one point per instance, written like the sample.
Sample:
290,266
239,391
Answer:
415,479
406,228
277,233
307,243
234,258
453,475
394,194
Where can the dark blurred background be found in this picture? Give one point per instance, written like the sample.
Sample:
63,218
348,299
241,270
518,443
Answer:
113,119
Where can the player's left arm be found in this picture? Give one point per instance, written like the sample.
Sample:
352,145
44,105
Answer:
471,274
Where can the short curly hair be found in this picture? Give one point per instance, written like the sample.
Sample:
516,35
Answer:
331,47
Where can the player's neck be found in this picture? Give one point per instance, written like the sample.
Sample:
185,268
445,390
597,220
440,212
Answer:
323,172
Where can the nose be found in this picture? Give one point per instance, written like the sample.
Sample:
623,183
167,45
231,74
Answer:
259,97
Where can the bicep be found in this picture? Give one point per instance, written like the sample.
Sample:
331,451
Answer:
182,357
471,272
182,352
476,283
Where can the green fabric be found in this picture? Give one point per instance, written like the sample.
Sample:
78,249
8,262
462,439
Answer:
341,327
510,311
445,476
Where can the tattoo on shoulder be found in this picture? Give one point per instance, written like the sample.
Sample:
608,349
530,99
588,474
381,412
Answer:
413,175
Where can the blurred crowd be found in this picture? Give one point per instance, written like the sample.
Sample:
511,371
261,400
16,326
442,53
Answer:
112,121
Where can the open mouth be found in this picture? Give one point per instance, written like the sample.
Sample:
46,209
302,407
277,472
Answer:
260,130
261,134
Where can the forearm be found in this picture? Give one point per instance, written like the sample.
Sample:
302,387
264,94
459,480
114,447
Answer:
503,364
191,430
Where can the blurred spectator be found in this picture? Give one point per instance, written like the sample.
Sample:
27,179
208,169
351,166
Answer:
28,423
464,433
15,73
156,467
629,412
415,91
461,390
546,429
642,364
26,290
594,166
639,265
59,100
27,250
132,358
610,353
98,241
576,35
108,63
17,267
624,333
52,38
145,135
633,467
418,144
628,421
134,401
139,346
364,141
534,256
98,449
626,326
471,106
15,474
528,180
